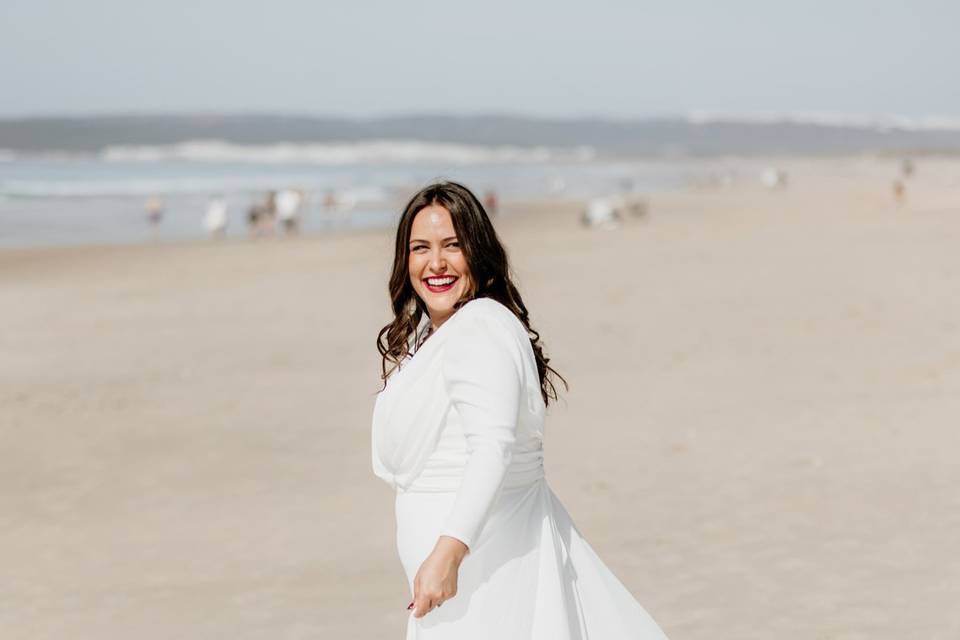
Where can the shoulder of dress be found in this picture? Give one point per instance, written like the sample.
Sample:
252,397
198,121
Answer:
487,316
486,308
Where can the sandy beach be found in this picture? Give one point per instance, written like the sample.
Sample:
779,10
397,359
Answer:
760,439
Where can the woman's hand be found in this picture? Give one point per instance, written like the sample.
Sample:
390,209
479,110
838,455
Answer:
436,580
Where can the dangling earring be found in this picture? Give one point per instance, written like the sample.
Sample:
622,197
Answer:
411,307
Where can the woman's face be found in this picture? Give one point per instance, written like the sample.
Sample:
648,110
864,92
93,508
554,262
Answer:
438,268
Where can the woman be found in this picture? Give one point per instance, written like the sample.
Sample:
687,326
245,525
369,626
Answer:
489,551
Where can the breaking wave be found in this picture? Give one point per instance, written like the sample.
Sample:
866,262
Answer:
339,154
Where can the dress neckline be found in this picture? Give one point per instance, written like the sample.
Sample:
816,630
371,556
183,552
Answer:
425,322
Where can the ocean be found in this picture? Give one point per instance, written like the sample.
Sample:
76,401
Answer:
100,198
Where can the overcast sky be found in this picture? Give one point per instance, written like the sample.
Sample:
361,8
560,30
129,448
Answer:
540,57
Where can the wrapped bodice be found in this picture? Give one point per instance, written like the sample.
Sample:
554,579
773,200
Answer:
443,469
463,413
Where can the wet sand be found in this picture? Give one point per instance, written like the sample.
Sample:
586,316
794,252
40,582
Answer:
761,436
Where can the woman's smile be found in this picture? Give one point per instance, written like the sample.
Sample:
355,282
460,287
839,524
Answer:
439,284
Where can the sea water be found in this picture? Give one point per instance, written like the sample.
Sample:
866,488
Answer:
100,198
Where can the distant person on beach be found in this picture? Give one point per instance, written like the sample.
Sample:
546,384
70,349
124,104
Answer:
154,209
491,202
773,178
636,206
907,168
600,213
269,213
899,192
330,199
254,214
630,202
215,219
262,214
288,203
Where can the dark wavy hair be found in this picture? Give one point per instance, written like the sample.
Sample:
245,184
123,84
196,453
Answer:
489,271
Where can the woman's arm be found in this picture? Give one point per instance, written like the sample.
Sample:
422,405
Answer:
482,365
482,369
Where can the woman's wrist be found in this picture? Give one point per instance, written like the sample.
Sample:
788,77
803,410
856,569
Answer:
452,548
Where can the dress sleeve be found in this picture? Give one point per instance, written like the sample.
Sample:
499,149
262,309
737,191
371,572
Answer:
482,373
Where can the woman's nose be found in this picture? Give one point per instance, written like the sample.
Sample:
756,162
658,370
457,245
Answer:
437,262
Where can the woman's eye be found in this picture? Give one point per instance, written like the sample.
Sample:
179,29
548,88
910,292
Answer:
454,244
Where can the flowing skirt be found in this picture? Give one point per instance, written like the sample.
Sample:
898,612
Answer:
530,575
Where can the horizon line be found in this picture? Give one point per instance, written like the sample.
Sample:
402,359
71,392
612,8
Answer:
883,121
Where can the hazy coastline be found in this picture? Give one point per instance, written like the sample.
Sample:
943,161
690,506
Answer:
690,135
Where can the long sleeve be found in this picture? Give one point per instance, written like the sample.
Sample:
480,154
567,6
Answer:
482,370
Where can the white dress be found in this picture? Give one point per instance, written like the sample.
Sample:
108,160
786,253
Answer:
458,432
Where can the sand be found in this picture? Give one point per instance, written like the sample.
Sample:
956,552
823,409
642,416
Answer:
760,439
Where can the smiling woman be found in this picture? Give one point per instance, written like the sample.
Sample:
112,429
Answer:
458,432
444,232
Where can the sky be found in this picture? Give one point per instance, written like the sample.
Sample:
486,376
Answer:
549,58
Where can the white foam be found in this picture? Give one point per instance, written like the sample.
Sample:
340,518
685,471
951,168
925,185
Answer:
339,154
92,188
132,186
884,122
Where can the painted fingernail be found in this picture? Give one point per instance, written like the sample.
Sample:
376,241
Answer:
409,606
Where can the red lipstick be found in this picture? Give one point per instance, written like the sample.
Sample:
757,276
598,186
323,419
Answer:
441,283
